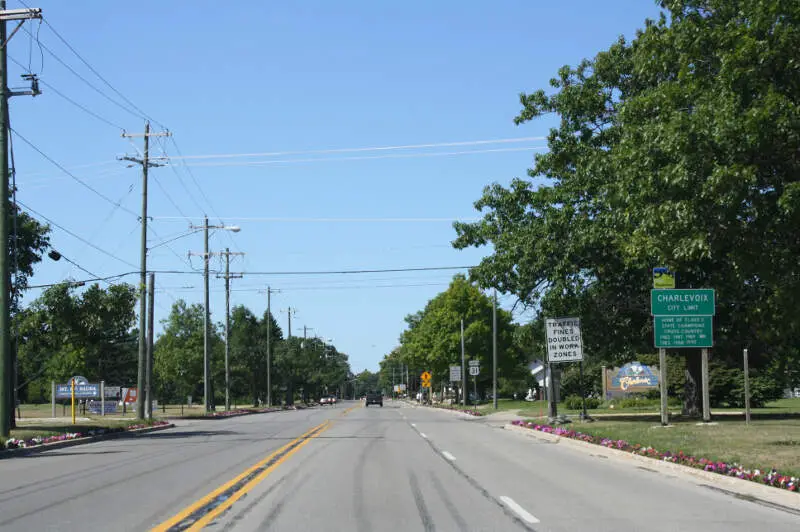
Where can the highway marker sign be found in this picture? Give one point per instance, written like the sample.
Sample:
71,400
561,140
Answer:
474,370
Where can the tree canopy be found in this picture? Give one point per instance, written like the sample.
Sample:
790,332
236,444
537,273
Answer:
432,341
65,333
676,149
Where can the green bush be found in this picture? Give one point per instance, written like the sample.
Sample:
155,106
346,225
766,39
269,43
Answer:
573,402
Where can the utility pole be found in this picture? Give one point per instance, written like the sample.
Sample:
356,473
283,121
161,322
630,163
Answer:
208,399
269,346
494,351
148,382
146,164
463,369
7,356
289,312
228,276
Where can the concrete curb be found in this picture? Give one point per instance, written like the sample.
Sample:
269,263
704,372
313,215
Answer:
463,415
11,453
745,489
217,418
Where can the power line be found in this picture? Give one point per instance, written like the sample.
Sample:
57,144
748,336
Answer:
166,194
330,272
322,287
202,193
48,220
365,149
86,81
325,220
178,175
100,77
367,157
67,98
70,174
82,281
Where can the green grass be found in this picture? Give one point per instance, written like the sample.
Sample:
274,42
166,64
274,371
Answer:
26,431
763,444
539,408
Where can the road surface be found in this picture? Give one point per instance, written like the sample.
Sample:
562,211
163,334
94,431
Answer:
357,469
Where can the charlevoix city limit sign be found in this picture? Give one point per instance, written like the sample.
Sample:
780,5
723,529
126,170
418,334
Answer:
683,318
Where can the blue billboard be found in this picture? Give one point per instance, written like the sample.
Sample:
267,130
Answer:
82,391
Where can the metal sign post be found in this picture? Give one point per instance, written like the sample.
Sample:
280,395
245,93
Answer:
475,370
746,389
564,344
683,318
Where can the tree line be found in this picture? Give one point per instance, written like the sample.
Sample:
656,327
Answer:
70,330
678,148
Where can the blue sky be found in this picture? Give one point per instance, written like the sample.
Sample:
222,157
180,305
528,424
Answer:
291,79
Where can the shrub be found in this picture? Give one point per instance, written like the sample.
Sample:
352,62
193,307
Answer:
573,402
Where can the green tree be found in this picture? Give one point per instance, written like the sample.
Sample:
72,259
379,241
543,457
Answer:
679,149
64,333
432,341
178,354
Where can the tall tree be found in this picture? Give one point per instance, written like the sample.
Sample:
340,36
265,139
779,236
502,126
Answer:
433,340
178,353
679,149
63,333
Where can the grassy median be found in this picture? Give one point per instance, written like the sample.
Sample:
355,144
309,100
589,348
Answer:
764,444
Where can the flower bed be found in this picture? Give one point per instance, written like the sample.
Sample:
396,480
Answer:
769,477
14,443
470,411
240,412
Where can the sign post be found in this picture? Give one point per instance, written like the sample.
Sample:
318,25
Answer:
746,389
72,386
564,344
475,370
662,364
682,318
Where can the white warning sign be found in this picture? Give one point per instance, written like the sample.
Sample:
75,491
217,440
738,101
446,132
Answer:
564,342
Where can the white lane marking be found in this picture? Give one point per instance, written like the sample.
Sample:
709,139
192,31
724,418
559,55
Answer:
519,510
413,424
448,455
423,435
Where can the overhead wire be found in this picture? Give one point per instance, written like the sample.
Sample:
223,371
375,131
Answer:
86,81
365,157
70,174
202,192
364,149
55,224
141,113
162,145
68,99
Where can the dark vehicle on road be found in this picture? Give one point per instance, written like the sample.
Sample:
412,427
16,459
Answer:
374,398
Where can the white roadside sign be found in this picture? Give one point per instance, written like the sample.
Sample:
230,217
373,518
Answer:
564,343
455,373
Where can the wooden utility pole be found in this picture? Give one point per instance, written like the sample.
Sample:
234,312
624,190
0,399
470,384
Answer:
7,395
148,382
228,276
146,165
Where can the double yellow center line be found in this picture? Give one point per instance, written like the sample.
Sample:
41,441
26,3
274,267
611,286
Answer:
201,513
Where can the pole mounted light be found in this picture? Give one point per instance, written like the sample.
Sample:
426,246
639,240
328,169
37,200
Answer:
207,399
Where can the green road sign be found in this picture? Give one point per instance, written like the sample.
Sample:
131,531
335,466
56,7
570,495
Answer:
682,302
684,331
663,278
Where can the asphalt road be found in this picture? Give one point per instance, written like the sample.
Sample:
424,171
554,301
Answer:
357,469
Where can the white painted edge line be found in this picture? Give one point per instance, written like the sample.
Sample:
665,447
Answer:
423,435
448,455
413,424
519,510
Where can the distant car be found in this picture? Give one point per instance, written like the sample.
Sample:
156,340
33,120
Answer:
374,398
328,400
